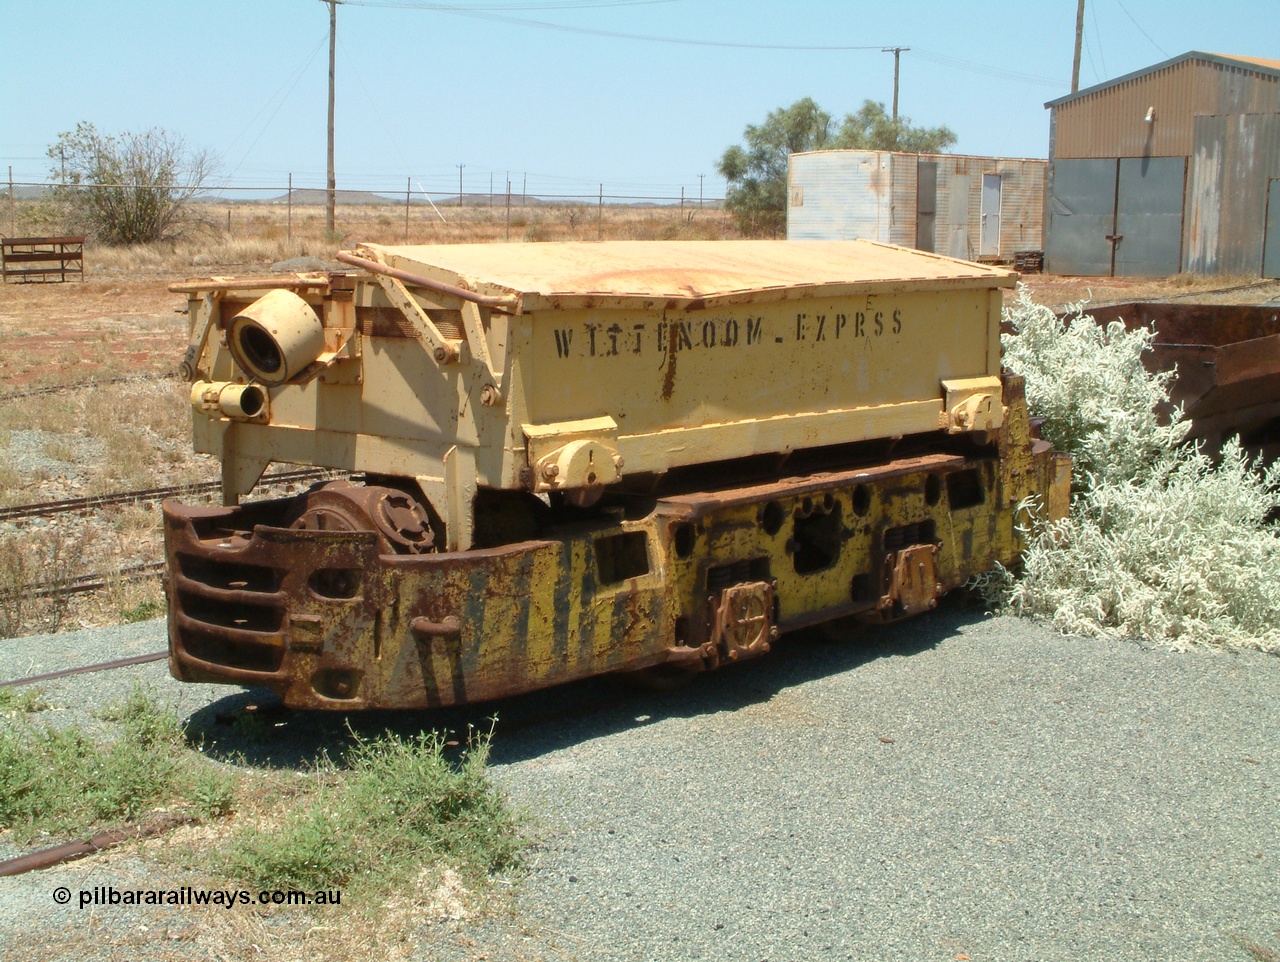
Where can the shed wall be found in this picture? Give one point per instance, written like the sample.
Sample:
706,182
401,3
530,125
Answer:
1110,122
851,194
840,195
1233,160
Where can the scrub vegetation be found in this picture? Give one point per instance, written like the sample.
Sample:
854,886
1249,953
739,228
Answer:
1163,542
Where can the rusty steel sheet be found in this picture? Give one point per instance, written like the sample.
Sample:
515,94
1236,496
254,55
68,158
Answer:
688,274
1227,359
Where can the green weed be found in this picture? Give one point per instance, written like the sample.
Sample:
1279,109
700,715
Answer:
64,781
401,806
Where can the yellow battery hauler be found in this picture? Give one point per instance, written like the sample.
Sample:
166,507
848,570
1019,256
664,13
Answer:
569,459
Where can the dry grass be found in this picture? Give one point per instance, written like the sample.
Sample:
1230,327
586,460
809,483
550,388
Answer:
251,235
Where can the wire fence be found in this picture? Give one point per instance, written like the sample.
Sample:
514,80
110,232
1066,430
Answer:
36,204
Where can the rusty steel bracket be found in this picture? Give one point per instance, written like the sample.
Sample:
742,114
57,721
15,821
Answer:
473,322
189,369
971,404
912,581
442,350
572,455
742,620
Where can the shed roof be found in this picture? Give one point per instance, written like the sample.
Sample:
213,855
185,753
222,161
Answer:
687,273
1269,68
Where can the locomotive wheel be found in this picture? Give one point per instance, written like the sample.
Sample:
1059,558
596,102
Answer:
400,522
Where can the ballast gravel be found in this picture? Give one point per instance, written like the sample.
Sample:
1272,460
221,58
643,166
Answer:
954,787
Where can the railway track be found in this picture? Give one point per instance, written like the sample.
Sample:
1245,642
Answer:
81,584
97,581
45,508
85,385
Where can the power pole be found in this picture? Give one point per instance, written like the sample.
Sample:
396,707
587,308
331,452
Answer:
331,197
460,166
897,51
1075,64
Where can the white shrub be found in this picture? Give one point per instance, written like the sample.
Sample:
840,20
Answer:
1163,543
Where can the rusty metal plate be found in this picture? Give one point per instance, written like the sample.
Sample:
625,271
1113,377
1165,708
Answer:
913,583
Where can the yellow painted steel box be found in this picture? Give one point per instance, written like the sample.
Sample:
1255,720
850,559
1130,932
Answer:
569,367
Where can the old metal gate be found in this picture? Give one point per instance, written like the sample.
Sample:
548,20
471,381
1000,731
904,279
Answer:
1117,217
989,243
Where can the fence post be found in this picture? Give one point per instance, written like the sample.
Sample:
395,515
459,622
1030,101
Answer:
13,207
408,183
289,229
600,229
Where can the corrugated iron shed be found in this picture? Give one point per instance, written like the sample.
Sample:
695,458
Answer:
1191,141
933,202
1108,120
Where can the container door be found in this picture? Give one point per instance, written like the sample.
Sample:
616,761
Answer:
1149,216
926,204
1082,213
1271,239
989,245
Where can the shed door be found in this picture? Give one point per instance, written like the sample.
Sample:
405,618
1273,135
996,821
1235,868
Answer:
1082,210
1271,240
1117,217
957,197
926,204
1149,216
990,241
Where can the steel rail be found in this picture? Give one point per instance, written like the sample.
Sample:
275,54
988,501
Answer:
43,508
87,669
81,584
86,385
57,854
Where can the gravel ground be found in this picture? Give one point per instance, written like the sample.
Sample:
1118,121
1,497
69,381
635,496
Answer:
954,787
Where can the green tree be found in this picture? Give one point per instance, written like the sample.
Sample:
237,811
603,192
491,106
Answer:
757,170
128,188
873,129
757,173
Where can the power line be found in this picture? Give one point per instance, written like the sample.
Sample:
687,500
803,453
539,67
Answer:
987,69
481,14
534,5
1140,30
297,76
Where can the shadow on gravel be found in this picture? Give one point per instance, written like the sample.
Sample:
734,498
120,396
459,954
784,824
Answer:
252,727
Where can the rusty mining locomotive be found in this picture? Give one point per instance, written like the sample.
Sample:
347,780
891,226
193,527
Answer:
572,459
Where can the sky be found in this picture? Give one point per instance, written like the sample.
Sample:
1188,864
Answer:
563,97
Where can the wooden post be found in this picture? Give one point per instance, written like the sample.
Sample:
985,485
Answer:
1075,64
332,192
289,230
408,183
